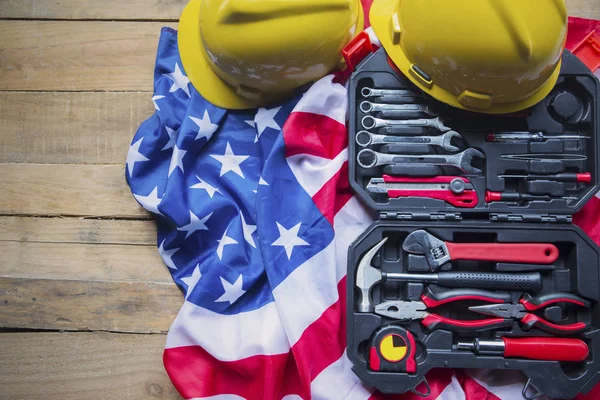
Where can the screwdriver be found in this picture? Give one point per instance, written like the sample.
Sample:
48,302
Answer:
490,197
533,348
585,177
530,137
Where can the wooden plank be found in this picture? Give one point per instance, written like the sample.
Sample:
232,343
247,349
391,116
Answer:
88,306
90,9
80,190
584,8
77,230
70,127
67,261
78,56
91,366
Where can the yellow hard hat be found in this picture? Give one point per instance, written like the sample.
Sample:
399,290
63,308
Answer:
490,56
247,53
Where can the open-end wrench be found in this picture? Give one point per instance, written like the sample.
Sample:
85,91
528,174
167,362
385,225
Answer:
396,109
369,92
368,158
370,122
364,139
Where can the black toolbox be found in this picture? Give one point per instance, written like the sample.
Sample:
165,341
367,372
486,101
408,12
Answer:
516,190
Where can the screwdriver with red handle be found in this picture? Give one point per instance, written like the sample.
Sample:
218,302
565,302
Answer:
584,177
533,348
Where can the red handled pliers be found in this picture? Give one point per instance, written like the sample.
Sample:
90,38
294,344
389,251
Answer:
524,311
417,310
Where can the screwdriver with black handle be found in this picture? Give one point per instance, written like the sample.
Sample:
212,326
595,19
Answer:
533,348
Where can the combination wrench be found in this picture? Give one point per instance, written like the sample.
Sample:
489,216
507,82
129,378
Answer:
368,158
370,122
396,110
364,139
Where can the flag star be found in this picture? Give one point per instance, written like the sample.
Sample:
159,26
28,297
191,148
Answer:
154,99
172,138
205,126
265,118
196,224
232,292
134,155
151,201
230,162
235,70
167,254
248,231
192,280
261,181
180,81
211,190
288,238
177,159
250,122
224,241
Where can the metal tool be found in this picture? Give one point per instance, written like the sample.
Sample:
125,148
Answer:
396,109
417,310
491,197
523,311
370,122
584,177
368,158
370,92
367,276
528,137
454,190
543,157
365,138
532,348
439,252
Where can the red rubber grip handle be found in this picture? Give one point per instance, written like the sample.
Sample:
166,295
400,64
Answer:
533,321
585,177
434,321
531,305
464,295
534,253
466,199
551,349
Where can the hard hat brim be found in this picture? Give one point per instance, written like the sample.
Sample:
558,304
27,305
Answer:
204,79
380,14
199,72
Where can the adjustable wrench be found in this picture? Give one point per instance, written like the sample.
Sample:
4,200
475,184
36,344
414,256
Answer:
364,139
370,122
368,158
395,110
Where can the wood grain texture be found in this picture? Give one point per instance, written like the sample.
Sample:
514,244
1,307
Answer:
91,366
77,230
78,56
70,127
88,305
92,9
584,8
80,190
96,263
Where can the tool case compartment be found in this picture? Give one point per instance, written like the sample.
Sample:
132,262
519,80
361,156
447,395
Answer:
549,180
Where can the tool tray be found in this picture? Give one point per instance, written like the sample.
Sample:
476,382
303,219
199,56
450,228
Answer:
572,108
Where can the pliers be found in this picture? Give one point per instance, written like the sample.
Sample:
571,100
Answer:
523,311
417,310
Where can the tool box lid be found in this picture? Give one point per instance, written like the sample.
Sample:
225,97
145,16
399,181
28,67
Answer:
573,107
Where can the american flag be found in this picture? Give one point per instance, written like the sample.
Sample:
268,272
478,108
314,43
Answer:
255,216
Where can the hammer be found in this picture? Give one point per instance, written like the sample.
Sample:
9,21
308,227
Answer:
368,276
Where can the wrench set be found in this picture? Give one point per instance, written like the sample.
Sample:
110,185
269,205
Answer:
473,261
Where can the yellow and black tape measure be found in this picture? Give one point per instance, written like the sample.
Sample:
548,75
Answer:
393,349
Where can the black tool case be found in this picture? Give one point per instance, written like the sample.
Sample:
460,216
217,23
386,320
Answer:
571,108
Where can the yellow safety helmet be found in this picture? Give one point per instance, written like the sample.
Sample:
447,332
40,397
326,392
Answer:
490,56
247,53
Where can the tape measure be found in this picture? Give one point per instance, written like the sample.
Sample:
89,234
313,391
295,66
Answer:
393,349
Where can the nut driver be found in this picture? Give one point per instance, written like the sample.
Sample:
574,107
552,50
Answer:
439,252
365,138
454,190
524,312
368,158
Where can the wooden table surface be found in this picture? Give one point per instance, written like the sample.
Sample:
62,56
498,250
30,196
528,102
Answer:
85,300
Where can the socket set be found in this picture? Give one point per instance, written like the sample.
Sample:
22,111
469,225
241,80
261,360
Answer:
473,261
